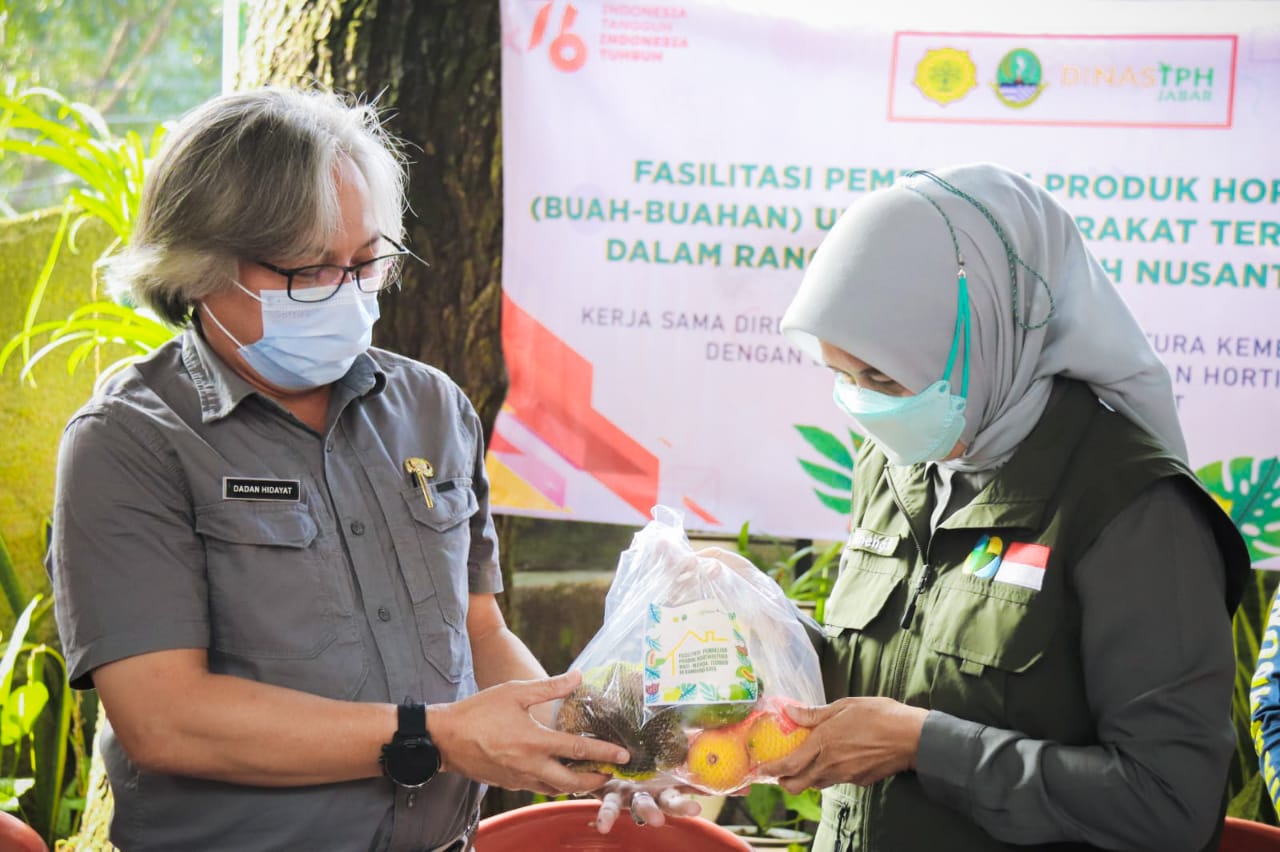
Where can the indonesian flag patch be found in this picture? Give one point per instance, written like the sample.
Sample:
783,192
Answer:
1023,565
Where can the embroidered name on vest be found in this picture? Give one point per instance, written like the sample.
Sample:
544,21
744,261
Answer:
874,542
242,488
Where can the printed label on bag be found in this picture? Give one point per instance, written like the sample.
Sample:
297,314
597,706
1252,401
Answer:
696,654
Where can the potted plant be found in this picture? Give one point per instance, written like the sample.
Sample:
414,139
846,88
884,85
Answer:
778,819
808,587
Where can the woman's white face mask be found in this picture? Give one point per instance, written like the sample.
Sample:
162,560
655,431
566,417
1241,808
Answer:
925,426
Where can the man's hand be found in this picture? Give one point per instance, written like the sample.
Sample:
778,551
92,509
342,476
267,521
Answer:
854,740
492,737
648,804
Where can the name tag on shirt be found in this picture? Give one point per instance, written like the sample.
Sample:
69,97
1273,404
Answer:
873,542
245,488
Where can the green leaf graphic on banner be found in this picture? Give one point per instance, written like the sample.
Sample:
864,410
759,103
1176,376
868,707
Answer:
827,444
1248,490
838,478
839,504
832,478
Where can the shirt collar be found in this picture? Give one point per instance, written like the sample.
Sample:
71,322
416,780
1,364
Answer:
221,389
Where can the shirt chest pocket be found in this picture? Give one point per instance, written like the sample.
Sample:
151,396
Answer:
435,547
984,642
275,607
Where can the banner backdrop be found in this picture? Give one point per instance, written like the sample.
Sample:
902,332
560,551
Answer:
670,169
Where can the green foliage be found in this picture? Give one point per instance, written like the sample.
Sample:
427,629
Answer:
109,171
788,571
768,806
137,61
43,797
837,479
9,581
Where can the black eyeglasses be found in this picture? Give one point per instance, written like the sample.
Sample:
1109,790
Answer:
323,281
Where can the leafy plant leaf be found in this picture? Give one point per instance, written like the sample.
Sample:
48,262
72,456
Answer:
24,706
761,801
74,137
807,804
11,789
16,640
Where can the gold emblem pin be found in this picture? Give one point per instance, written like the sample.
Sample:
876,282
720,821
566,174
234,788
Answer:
421,470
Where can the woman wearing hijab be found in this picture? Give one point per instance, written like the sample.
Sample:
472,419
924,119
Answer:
1029,642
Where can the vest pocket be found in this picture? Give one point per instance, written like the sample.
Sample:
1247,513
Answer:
438,586
864,586
984,635
860,596
275,608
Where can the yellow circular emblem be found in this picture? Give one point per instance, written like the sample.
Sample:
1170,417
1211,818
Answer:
946,75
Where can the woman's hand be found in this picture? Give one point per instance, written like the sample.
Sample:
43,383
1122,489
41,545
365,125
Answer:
648,804
853,740
494,738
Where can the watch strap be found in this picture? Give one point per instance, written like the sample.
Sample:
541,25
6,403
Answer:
412,720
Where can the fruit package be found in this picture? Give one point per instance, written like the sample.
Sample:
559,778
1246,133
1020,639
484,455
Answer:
698,655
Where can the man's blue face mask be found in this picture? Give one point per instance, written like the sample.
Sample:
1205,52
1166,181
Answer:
308,344
919,428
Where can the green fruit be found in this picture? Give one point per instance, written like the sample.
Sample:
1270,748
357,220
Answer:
715,715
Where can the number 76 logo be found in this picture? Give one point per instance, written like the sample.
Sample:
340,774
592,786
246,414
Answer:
568,51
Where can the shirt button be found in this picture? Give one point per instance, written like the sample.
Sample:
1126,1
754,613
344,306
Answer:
328,448
357,527
384,614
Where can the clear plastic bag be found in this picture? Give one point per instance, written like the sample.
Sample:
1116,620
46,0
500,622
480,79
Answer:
698,655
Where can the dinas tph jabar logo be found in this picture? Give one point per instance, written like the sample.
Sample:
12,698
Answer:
1019,78
568,50
946,75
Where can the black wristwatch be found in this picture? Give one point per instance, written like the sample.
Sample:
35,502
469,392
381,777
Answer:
411,759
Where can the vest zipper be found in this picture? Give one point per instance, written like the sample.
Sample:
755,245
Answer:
922,583
843,815
898,672
926,570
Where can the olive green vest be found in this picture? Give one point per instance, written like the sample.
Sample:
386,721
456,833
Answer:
996,653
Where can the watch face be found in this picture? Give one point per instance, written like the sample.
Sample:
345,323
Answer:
412,762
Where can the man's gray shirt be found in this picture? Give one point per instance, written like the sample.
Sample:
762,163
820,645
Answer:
193,512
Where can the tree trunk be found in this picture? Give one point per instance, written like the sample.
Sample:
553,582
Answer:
433,66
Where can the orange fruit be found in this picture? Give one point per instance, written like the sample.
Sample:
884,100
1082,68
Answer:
773,735
718,759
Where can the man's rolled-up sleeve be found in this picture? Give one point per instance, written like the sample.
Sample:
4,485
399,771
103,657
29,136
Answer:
126,564
484,576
